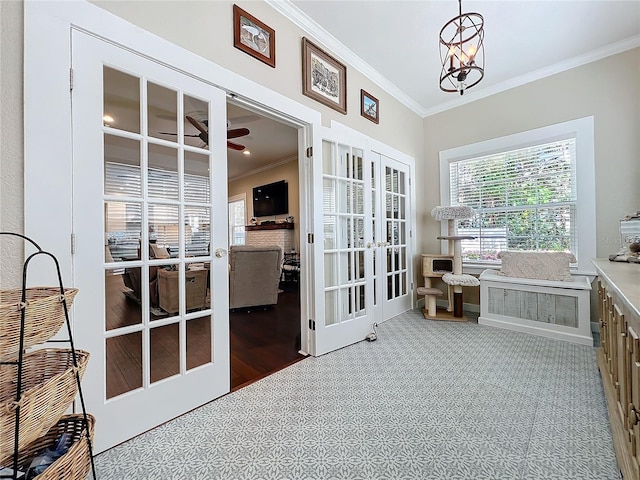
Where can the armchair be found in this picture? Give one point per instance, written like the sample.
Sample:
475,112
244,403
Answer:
254,275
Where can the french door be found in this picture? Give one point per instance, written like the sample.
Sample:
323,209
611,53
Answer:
393,210
365,247
150,223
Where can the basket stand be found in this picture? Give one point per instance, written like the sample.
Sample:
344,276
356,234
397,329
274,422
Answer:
19,362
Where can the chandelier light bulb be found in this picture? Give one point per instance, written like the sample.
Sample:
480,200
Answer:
472,51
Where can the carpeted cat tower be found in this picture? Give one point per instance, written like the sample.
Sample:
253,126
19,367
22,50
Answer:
455,279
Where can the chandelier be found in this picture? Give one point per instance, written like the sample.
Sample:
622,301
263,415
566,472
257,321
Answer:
462,52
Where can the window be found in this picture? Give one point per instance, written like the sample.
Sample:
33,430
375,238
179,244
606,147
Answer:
530,192
237,235
123,218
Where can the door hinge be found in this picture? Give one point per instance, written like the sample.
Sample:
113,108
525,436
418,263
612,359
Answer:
73,243
309,237
71,79
312,325
309,152
411,286
409,181
410,233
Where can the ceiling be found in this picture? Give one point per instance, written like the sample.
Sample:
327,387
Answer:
395,43
269,141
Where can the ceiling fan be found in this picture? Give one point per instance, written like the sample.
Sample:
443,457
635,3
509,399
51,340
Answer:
203,128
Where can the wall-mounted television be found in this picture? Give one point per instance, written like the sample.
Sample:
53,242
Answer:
271,199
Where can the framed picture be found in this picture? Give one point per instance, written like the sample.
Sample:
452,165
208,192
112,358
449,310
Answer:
254,37
369,106
323,77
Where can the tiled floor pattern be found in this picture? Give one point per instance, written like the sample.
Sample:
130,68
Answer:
428,400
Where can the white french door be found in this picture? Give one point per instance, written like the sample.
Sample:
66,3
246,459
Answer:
150,222
365,247
395,241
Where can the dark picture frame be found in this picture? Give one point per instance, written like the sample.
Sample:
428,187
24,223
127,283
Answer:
369,106
323,77
254,37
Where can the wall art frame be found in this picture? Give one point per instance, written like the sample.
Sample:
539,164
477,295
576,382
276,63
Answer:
254,37
323,77
369,106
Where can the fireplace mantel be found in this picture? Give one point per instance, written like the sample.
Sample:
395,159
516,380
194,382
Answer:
269,226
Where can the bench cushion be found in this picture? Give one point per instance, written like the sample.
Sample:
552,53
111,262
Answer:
537,265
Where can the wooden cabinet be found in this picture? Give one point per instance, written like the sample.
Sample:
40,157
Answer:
619,357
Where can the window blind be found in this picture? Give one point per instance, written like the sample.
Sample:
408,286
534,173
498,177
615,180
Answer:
124,218
525,199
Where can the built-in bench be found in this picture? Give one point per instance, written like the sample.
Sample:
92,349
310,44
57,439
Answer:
550,308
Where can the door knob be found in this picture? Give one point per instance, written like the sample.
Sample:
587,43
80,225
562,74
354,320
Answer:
221,252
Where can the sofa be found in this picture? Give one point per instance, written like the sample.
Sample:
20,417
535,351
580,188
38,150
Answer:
254,275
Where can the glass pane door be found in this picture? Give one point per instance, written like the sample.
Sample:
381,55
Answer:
396,233
157,230
347,245
146,216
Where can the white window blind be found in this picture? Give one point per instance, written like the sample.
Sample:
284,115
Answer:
525,199
124,180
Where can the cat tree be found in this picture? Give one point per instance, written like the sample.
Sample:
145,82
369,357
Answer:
454,279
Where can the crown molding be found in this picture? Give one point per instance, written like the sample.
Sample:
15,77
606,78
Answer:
331,43
255,171
568,64
303,21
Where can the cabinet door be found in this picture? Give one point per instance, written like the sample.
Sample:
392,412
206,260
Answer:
622,362
613,345
633,407
604,327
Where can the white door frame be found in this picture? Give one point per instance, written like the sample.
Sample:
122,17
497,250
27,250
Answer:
47,143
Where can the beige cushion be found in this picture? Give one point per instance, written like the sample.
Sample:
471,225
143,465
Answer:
158,252
464,280
537,265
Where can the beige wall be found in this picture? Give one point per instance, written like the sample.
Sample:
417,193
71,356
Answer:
11,151
608,89
287,172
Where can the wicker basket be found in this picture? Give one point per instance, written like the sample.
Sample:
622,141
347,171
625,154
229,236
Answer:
44,315
75,463
48,388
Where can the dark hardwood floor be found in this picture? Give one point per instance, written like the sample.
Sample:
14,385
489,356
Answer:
265,340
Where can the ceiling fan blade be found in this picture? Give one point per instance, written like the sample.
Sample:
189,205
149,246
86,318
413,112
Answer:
204,134
202,128
234,146
237,132
171,133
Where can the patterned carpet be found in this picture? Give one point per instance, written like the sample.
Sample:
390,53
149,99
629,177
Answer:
428,400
